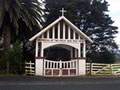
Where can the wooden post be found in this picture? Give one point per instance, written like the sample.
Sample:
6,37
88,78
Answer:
36,53
111,69
58,30
53,32
48,34
84,49
69,34
79,50
63,30
91,66
74,35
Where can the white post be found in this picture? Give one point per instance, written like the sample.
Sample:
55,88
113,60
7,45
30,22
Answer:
36,51
43,35
74,35
69,34
53,33
58,30
79,50
63,30
82,67
39,63
84,49
48,34
60,68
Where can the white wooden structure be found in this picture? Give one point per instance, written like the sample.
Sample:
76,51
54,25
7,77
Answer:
29,68
102,69
61,33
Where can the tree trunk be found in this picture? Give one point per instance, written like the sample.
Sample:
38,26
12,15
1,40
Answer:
7,42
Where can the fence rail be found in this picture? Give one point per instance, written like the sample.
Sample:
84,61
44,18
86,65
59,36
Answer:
102,69
29,68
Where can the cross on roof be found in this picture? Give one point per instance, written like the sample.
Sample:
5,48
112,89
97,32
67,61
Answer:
63,11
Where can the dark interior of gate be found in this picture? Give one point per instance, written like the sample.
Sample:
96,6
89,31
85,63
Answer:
60,60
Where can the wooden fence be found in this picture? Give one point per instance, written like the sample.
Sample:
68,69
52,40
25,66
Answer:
102,69
29,68
91,69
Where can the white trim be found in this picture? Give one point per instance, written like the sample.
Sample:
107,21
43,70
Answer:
53,32
58,31
84,49
36,53
64,30
52,24
69,33
48,34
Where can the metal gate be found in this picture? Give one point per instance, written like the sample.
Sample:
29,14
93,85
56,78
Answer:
60,68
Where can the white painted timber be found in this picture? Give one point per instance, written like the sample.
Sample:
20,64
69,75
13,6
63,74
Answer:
82,67
53,32
39,67
64,30
84,49
57,21
58,31
36,51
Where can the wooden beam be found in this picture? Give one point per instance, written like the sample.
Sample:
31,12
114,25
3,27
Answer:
36,51
63,30
69,33
58,30
53,32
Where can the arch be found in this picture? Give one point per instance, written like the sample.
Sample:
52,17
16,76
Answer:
56,53
73,52
74,45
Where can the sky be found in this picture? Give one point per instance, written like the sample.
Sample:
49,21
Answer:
114,12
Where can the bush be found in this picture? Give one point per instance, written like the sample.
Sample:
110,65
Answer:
103,57
15,58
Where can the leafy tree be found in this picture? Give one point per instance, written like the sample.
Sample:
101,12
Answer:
15,13
11,11
91,17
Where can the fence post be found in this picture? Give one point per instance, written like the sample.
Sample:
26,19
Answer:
111,69
91,68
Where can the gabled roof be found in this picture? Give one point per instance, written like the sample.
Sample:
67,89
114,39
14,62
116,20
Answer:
55,22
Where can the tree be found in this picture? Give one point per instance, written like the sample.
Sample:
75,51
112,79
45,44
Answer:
11,11
91,17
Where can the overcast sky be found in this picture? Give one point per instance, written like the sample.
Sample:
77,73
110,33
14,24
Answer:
115,14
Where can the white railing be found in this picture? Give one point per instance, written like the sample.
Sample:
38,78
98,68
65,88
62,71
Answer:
102,69
52,66
29,68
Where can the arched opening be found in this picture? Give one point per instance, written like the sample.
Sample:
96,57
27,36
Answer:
57,53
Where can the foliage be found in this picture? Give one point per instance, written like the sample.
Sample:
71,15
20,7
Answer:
104,57
91,17
15,58
12,12
16,17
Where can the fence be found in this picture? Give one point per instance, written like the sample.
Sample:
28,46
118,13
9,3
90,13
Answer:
60,68
29,68
102,69
91,69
